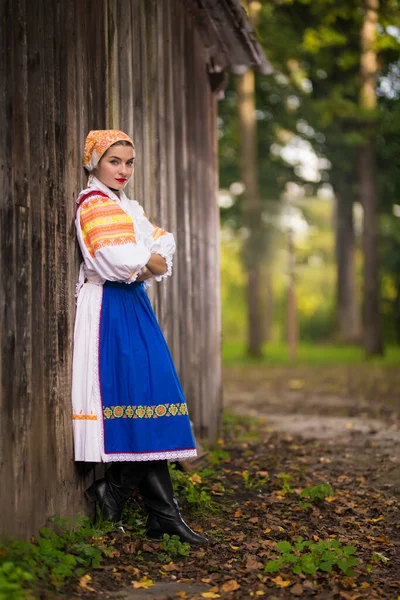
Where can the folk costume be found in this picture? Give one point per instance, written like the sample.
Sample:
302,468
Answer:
128,405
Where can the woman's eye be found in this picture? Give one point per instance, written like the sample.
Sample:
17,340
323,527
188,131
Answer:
114,162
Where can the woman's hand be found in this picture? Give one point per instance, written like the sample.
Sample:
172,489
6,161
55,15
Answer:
144,274
157,264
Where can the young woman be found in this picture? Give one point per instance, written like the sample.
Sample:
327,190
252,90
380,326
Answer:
128,406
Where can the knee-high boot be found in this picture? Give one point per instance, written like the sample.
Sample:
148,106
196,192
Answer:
112,492
164,514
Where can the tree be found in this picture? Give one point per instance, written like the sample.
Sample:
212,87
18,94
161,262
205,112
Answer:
368,179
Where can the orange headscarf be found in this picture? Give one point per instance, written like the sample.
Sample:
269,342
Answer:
97,143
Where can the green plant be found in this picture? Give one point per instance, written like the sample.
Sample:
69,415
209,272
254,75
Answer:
217,455
172,547
286,489
254,482
309,557
193,489
12,582
315,494
64,551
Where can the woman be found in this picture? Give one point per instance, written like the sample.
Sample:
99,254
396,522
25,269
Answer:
128,405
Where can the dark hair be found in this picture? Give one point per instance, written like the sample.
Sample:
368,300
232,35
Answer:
121,143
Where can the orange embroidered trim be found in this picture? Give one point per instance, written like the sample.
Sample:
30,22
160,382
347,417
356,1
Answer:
82,417
145,412
158,232
104,223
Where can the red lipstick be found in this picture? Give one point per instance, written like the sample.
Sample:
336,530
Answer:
121,180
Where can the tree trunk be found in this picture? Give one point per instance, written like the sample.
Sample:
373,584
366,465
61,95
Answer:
252,212
348,311
367,177
397,311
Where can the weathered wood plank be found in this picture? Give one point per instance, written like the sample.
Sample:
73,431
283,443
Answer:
80,65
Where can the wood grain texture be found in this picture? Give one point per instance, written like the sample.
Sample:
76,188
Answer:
68,67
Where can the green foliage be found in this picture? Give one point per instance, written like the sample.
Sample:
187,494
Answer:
173,547
254,482
285,478
47,561
195,489
312,97
316,494
215,457
234,353
306,557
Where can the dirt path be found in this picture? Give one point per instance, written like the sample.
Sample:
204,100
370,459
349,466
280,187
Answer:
354,409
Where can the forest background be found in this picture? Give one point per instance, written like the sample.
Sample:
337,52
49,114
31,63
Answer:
310,183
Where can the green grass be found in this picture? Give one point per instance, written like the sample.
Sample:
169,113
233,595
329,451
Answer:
234,353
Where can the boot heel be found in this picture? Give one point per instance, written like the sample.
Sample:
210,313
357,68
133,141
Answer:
91,495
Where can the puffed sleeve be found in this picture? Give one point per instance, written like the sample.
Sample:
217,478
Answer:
106,236
158,241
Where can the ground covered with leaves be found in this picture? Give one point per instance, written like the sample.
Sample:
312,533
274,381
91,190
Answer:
290,511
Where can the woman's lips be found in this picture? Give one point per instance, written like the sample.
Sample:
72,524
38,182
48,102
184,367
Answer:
121,180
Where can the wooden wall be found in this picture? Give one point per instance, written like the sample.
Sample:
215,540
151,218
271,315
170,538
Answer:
70,66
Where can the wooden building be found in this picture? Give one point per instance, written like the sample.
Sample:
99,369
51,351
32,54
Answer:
151,68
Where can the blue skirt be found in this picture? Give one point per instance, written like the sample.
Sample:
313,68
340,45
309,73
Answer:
145,416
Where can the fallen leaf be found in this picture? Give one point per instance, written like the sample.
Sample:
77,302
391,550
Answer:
130,569
84,581
297,589
170,567
252,563
267,530
281,582
143,583
238,513
149,548
210,595
230,586
253,520
375,520
182,595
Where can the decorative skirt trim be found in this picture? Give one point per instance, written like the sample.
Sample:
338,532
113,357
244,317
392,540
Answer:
170,455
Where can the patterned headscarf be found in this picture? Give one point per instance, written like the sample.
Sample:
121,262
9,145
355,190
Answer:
97,143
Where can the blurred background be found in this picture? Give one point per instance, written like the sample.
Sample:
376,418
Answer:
310,186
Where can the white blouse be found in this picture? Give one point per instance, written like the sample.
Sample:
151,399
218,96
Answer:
116,238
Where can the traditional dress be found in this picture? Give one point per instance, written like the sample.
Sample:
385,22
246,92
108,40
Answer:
128,404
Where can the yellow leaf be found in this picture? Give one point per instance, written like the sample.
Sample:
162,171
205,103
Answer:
182,595
210,595
238,513
83,583
143,583
267,530
281,582
330,498
235,547
195,478
315,538
260,593
375,520
230,586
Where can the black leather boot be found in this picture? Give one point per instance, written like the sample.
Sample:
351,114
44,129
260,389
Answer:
164,514
111,493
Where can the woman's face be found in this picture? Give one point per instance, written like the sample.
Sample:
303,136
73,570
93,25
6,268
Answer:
116,167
